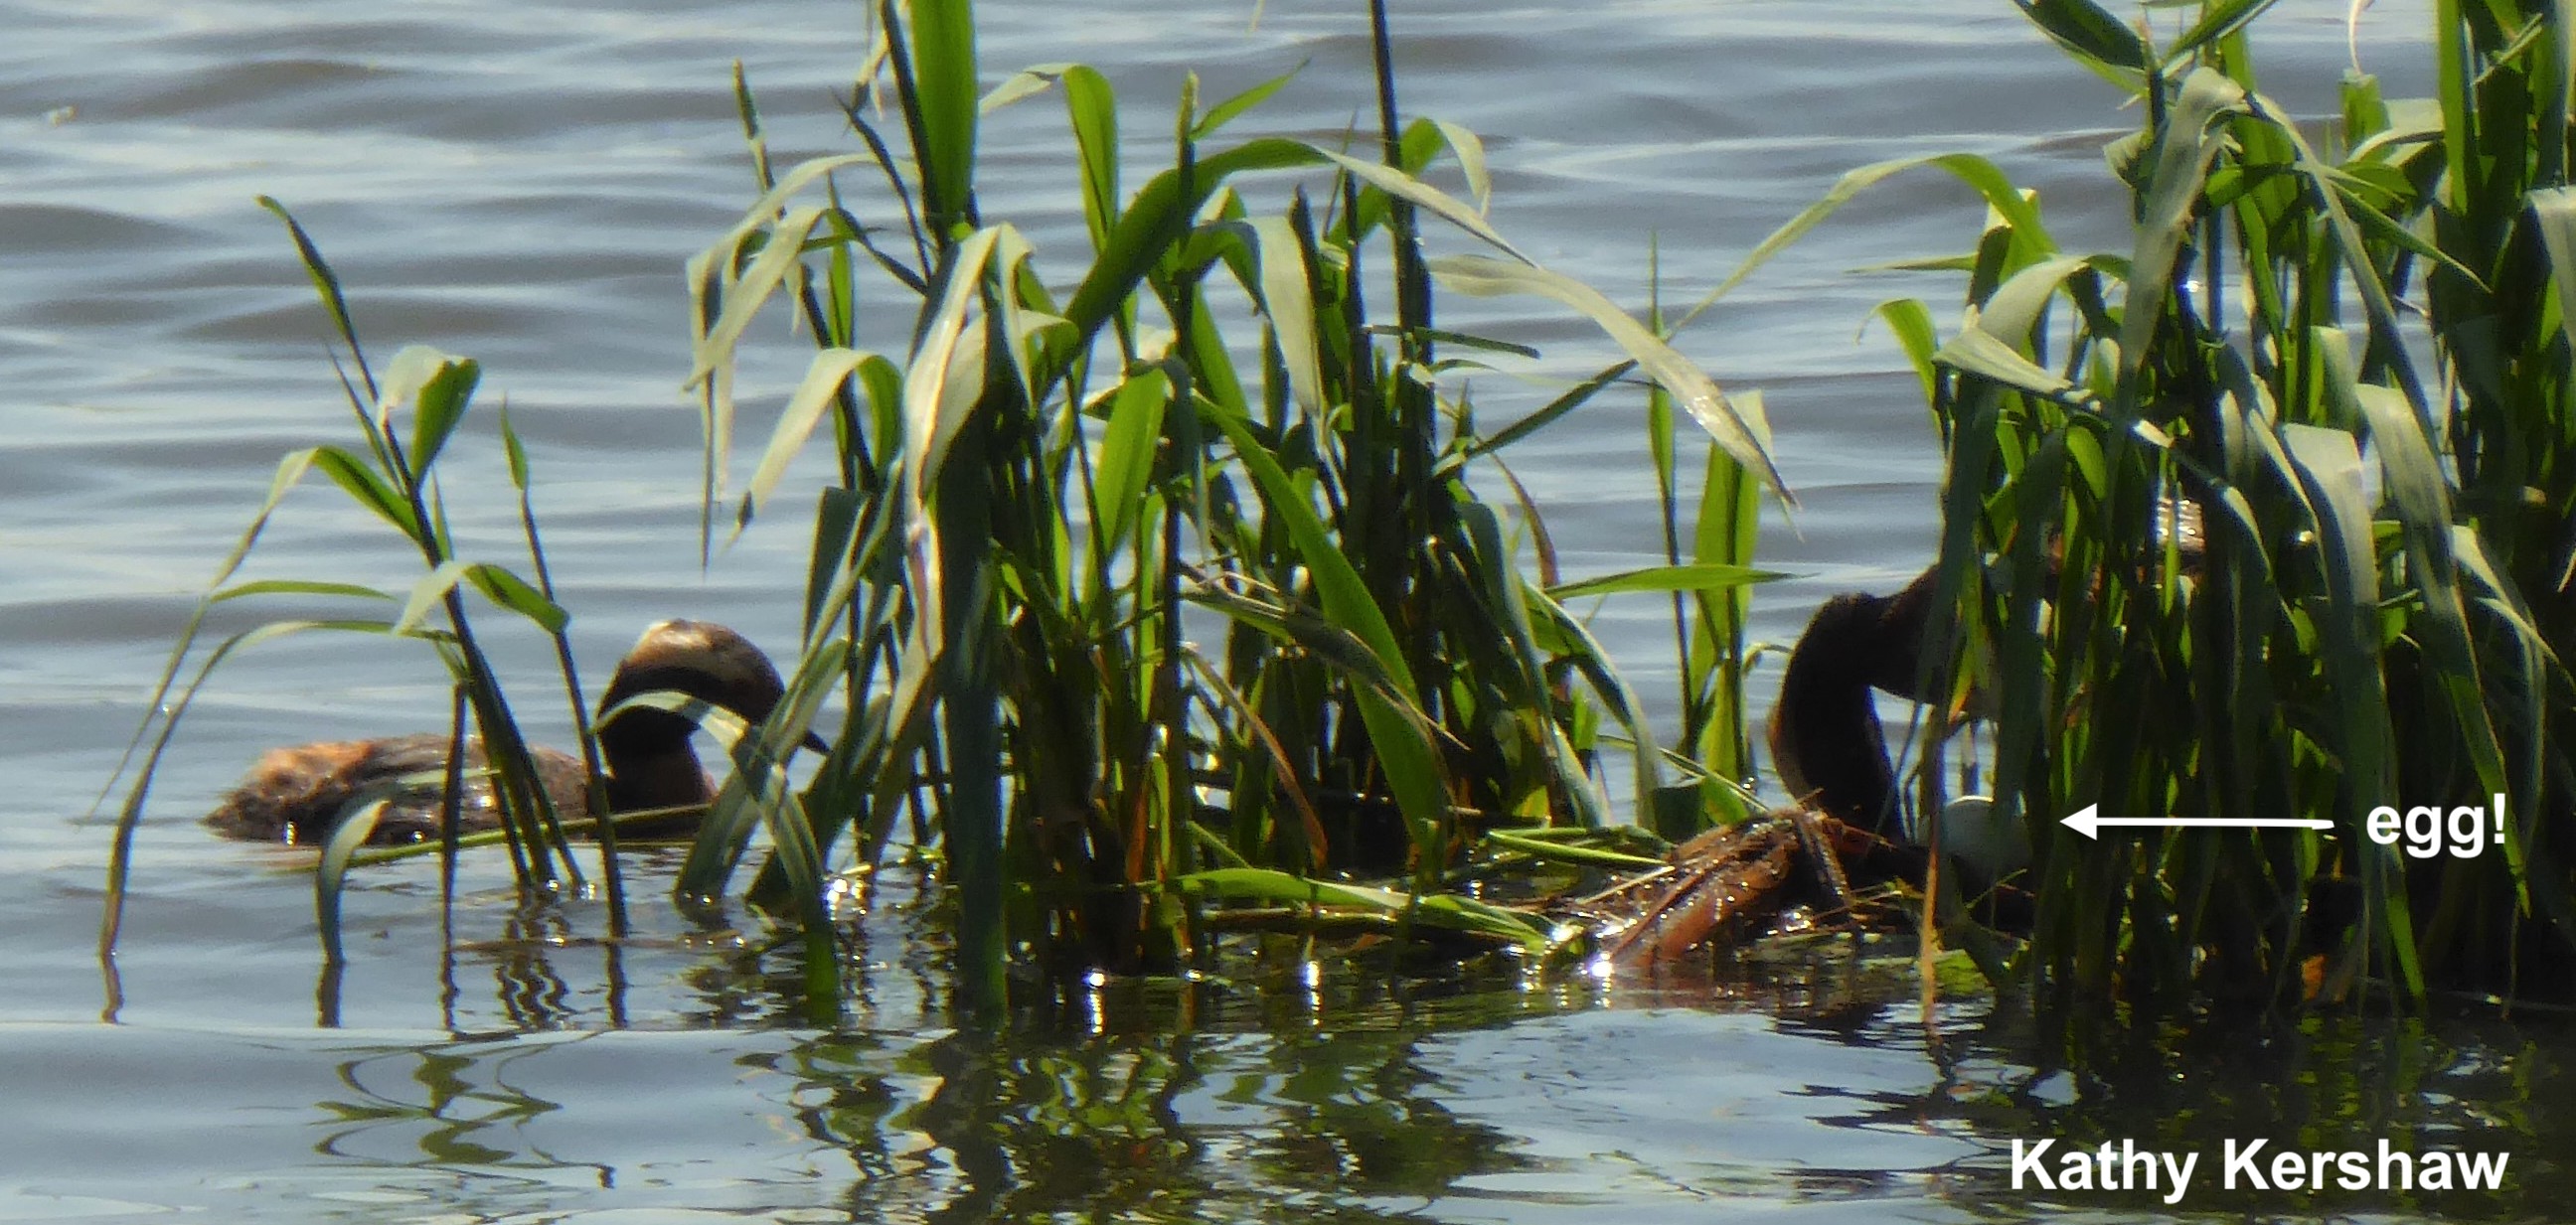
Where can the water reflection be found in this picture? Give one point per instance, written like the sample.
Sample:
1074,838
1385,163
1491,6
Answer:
1272,1085
458,1111
1169,1127
2341,1083
1485,1104
966,1127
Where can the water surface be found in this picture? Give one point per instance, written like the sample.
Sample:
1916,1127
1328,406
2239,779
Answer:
520,182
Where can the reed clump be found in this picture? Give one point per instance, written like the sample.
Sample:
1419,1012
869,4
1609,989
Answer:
1158,590
405,418
2348,345
1154,579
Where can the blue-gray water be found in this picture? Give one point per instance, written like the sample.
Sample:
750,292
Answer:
520,183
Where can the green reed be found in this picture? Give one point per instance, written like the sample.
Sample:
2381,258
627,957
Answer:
2334,646
1047,497
406,416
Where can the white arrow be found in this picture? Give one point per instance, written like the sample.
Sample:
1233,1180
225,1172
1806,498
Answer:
2088,820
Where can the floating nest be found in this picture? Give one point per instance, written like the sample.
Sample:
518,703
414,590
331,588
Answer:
1792,871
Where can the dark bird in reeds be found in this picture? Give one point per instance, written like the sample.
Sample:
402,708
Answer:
293,795
1826,742
1813,863
1825,731
1821,858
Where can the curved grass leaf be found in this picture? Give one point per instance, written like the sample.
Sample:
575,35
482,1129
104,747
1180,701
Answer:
1562,852
1426,197
513,451
1520,675
2015,310
1739,429
1471,161
1436,910
1333,645
369,489
277,586
326,285
2019,213
1091,107
1576,397
1696,576
755,794
1911,321
1225,112
2554,209
2218,19
438,386
1594,662
944,377
750,290
1159,215
349,831
507,590
2185,146
1981,353
504,588
1405,751
2083,28
428,594
1126,459
120,855
2327,466
1020,86
1290,304
943,109
829,372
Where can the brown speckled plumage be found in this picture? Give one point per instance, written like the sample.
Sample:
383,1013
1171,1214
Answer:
294,794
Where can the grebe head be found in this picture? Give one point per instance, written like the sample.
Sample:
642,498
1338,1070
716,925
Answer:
699,658
649,761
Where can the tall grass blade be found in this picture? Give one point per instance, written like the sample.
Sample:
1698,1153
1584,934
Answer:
1744,434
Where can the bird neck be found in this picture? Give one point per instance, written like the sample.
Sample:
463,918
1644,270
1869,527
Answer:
1825,738
653,773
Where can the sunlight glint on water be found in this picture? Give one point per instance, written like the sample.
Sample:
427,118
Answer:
519,183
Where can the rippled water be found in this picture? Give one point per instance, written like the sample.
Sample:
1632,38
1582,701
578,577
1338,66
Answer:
519,182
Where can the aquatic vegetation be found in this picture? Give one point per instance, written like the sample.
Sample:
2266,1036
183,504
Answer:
393,478
1162,595
1045,495
2379,613
1065,474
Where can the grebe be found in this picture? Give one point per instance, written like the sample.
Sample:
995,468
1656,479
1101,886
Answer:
1826,742
293,795
1825,738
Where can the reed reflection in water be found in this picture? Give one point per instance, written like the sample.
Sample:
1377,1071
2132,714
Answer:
1543,1119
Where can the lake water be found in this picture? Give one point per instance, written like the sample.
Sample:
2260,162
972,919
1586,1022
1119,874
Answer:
520,182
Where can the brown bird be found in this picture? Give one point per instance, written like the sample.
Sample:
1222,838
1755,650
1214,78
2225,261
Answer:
1826,742
1825,737
293,795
